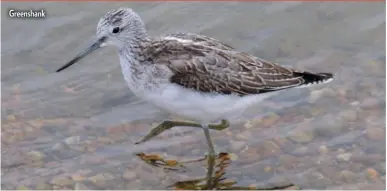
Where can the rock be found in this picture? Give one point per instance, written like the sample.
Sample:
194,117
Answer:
252,123
22,187
77,177
80,186
35,155
372,174
341,150
270,149
348,176
233,157
237,145
74,140
58,146
270,119
344,157
315,95
245,135
43,186
302,136
100,179
332,127
348,115
105,140
288,161
282,141
267,169
61,181
300,151
129,175
323,149
376,134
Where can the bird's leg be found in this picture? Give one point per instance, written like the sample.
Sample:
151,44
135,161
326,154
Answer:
211,156
165,125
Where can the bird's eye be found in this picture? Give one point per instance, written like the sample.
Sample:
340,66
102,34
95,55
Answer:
116,30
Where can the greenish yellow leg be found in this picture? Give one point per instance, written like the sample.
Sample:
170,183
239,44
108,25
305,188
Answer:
165,125
211,164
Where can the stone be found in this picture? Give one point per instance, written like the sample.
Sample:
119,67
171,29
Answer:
288,161
129,175
237,145
323,149
77,177
80,186
61,181
300,151
35,155
348,115
74,140
270,149
372,174
101,178
347,176
376,134
302,136
58,146
22,187
344,157
43,186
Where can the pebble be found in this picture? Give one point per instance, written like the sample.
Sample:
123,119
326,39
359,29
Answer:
43,186
376,134
74,140
100,179
270,119
80,186
331,127
300,151
77,177
233,157
348,115
129,175
22,187
267,169
270,149
315,95
237,145
344,157
323,149
35,155
58,146
61,181
282,141
105,140
302,136
372,174
288,161
348,176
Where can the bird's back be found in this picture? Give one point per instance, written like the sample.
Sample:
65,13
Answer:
205,64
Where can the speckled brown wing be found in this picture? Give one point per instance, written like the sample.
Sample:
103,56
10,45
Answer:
206,68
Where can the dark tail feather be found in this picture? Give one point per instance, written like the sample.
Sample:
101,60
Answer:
315,78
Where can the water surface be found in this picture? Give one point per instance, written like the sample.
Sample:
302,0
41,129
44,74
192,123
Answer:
77,128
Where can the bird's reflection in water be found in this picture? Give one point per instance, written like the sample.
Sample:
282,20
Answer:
217,181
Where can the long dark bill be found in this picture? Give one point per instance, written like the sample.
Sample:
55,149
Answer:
81,55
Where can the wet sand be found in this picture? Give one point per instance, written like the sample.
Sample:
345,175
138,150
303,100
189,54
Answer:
77,129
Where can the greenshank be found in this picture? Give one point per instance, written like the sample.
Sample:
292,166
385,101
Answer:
191,75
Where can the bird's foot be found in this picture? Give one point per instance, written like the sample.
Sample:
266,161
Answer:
167,124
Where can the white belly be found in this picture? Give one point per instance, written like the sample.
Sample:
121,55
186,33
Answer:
202,107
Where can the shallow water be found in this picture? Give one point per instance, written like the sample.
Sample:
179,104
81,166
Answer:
77,129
